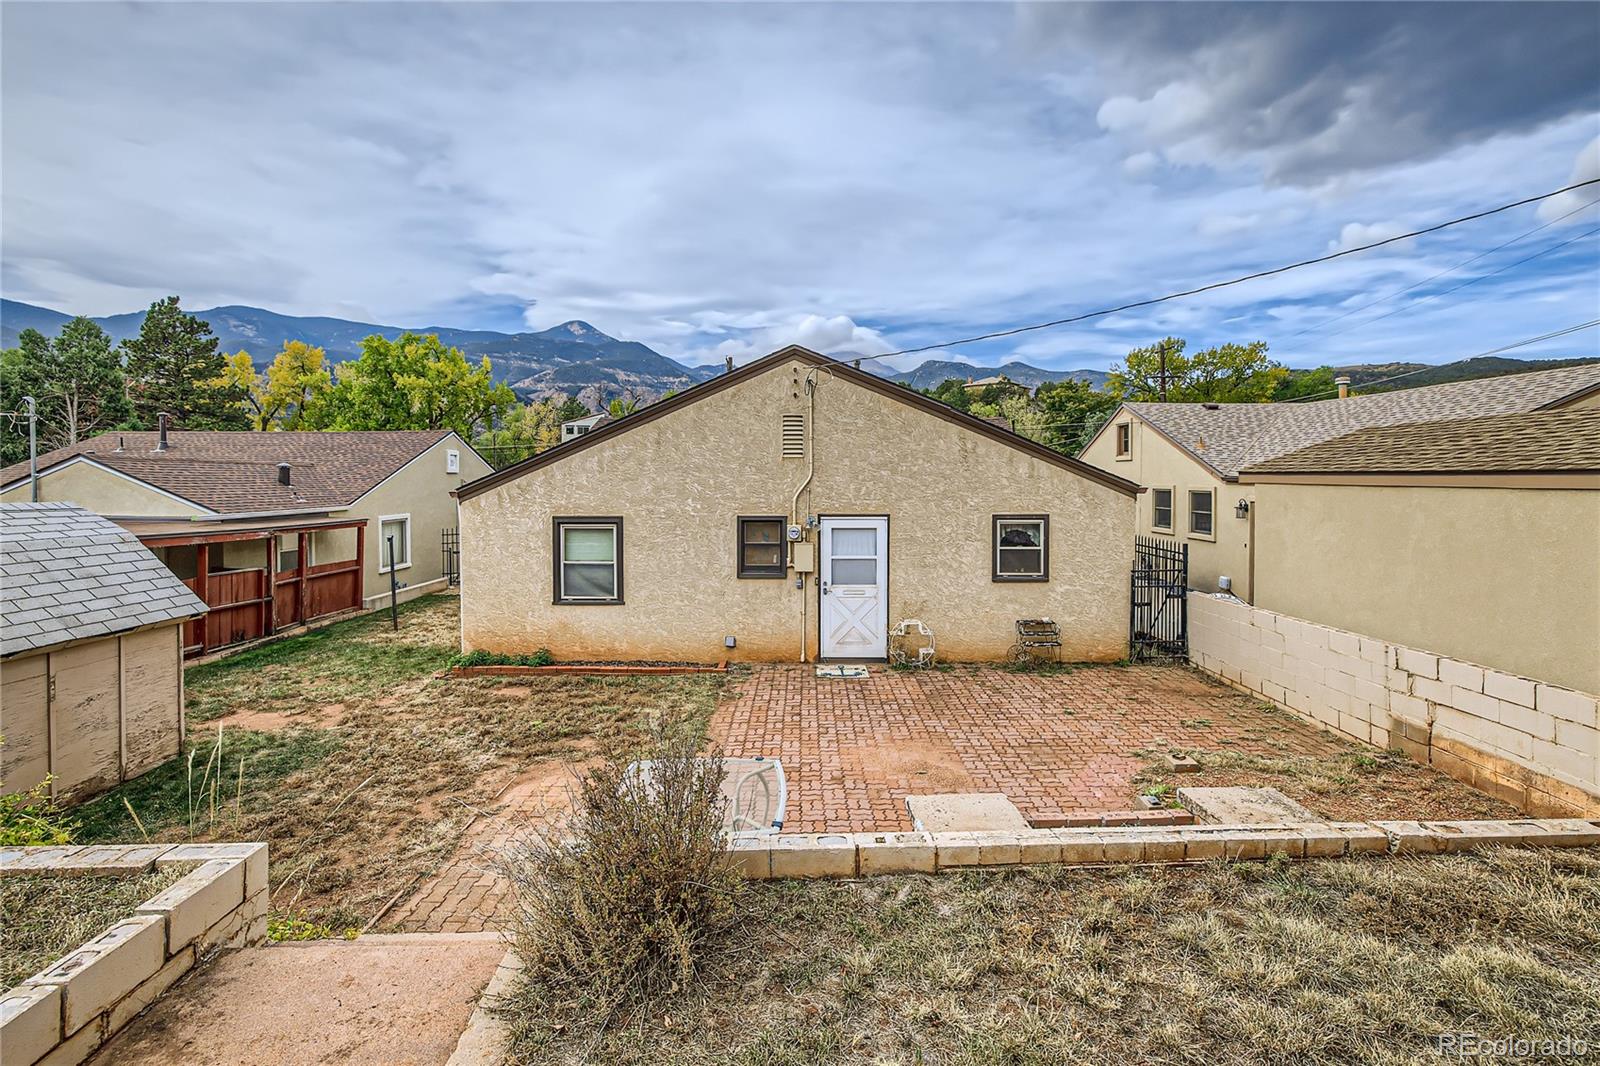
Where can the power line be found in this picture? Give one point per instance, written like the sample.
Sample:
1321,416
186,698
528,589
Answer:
1442,273
1224,284
1466,359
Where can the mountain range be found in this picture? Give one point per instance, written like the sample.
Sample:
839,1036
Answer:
573,359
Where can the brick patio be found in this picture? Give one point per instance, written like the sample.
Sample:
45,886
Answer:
1056,744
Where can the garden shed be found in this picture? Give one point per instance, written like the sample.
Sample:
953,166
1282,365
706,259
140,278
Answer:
91,662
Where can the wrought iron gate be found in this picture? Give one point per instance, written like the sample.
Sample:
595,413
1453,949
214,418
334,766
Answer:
452,557
1158,625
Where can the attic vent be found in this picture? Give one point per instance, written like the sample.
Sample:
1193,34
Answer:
794,436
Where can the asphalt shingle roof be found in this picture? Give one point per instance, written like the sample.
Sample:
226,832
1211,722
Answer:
68,574
1538,442
1232,436
237,472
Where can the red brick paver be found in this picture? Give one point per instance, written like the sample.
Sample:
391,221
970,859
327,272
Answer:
1056,744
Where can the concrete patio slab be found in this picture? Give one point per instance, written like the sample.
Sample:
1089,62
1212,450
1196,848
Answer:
1243,806
964,812
390,1000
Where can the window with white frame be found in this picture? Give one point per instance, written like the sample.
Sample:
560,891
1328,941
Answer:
1021,547
1161,509
394,542
452,461
588,560
1202,512
289,552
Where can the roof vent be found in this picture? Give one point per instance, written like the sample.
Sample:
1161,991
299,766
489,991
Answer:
161,440
794,436
283,473
1212,406
1343,381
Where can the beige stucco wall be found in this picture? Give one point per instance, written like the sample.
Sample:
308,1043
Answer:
1509,578
1157,463
681,481
97,490
92,714
422,490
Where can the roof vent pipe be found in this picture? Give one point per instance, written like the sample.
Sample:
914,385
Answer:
283,473
161,424
727,364
1343,381
119,444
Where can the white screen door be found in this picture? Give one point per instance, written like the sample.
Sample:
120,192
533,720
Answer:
855,585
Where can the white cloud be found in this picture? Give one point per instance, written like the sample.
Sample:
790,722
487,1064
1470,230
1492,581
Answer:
1356,234
1585,168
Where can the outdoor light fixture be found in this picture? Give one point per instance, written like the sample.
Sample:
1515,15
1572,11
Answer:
1241,509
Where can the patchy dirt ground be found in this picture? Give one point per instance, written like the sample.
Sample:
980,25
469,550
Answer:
360,769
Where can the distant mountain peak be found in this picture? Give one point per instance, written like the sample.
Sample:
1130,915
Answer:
581,331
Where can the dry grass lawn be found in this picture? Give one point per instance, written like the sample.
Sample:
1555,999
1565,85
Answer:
358,767
44,916
1328,962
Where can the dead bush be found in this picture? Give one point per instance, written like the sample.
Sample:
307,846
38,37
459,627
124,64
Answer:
625,904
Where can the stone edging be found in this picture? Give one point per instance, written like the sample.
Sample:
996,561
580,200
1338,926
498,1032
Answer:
76,1004
871,854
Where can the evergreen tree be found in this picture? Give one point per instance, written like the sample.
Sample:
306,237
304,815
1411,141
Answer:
173,366
85,383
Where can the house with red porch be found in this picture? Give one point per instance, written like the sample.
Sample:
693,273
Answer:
271,529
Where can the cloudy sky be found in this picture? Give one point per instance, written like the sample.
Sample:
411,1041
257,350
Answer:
722,179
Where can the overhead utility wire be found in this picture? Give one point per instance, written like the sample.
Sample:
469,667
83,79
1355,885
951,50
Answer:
1442,273
1465,359
1224,284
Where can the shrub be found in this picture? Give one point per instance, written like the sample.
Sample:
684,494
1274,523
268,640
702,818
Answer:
633,901
541,657
32,817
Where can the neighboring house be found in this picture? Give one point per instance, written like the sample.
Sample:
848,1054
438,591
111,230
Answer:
1188,455
271,529
1476,539
91,660
999,380
579,426
793,508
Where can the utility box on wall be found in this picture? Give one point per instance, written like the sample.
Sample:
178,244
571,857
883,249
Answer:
803,557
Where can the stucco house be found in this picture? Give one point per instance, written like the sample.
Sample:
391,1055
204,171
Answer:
791,509
1189,455
1476,539
91,656
271,529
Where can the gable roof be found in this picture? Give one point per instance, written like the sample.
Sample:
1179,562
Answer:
1232,436
70,574
1548,442
236,472
840,370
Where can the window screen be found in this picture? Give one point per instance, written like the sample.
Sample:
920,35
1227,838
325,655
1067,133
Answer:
1021,548
1161,508
588,560
761,547
1201,520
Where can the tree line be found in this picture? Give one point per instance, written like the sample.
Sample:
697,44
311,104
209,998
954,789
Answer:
1064,415
83,385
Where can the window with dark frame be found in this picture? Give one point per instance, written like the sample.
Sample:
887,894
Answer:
1202,508
1161,509
587,557
761,547
1021,547
1124,439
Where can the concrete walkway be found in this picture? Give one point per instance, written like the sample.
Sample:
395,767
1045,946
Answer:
379,1000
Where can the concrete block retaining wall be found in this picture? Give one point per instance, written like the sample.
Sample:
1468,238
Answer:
808,855
1532,744
63,1013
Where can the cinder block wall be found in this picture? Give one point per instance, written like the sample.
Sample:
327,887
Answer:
1532,744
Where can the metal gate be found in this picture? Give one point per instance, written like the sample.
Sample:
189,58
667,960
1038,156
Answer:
451,543
1158,626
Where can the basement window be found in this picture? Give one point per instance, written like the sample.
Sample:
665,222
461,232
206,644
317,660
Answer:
1021,547
794,436
761,547
587,554
1161,510
1202,513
